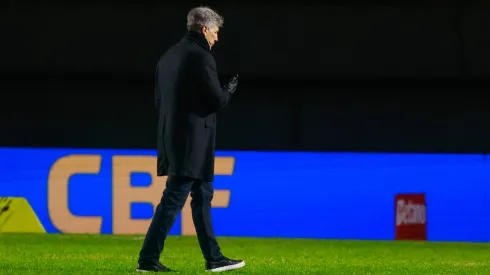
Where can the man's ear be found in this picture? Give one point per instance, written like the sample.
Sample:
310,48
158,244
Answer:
204,30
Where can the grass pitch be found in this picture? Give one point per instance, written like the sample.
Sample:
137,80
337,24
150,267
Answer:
95,254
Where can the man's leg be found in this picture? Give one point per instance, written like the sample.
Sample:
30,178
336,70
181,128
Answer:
202,195
172,202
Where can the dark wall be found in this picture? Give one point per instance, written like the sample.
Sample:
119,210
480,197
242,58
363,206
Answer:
343,78
260,40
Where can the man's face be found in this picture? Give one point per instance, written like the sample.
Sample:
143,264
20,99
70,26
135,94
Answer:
211,35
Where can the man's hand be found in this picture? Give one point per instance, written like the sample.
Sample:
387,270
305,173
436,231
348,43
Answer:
232,85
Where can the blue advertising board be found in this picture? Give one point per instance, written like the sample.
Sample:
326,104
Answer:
258,194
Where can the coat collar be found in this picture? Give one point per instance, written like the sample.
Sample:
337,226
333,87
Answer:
199,39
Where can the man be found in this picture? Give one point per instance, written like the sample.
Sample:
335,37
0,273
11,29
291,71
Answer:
187,95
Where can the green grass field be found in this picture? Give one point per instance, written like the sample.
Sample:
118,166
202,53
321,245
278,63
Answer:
90,254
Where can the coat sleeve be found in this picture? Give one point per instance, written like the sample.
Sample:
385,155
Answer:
215,96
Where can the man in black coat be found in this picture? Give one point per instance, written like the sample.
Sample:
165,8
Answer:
187,95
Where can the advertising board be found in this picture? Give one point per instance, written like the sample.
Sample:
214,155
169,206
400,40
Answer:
258,194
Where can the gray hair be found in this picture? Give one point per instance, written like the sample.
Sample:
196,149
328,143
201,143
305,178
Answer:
203,16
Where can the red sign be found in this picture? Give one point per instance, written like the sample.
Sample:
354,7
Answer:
410,217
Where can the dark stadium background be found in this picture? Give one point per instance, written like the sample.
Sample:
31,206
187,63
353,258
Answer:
376,76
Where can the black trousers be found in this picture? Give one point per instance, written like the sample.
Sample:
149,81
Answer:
172,202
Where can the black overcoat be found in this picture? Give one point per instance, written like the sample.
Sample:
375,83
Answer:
188,95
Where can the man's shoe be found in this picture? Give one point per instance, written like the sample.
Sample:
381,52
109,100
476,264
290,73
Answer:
224,264
153,268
